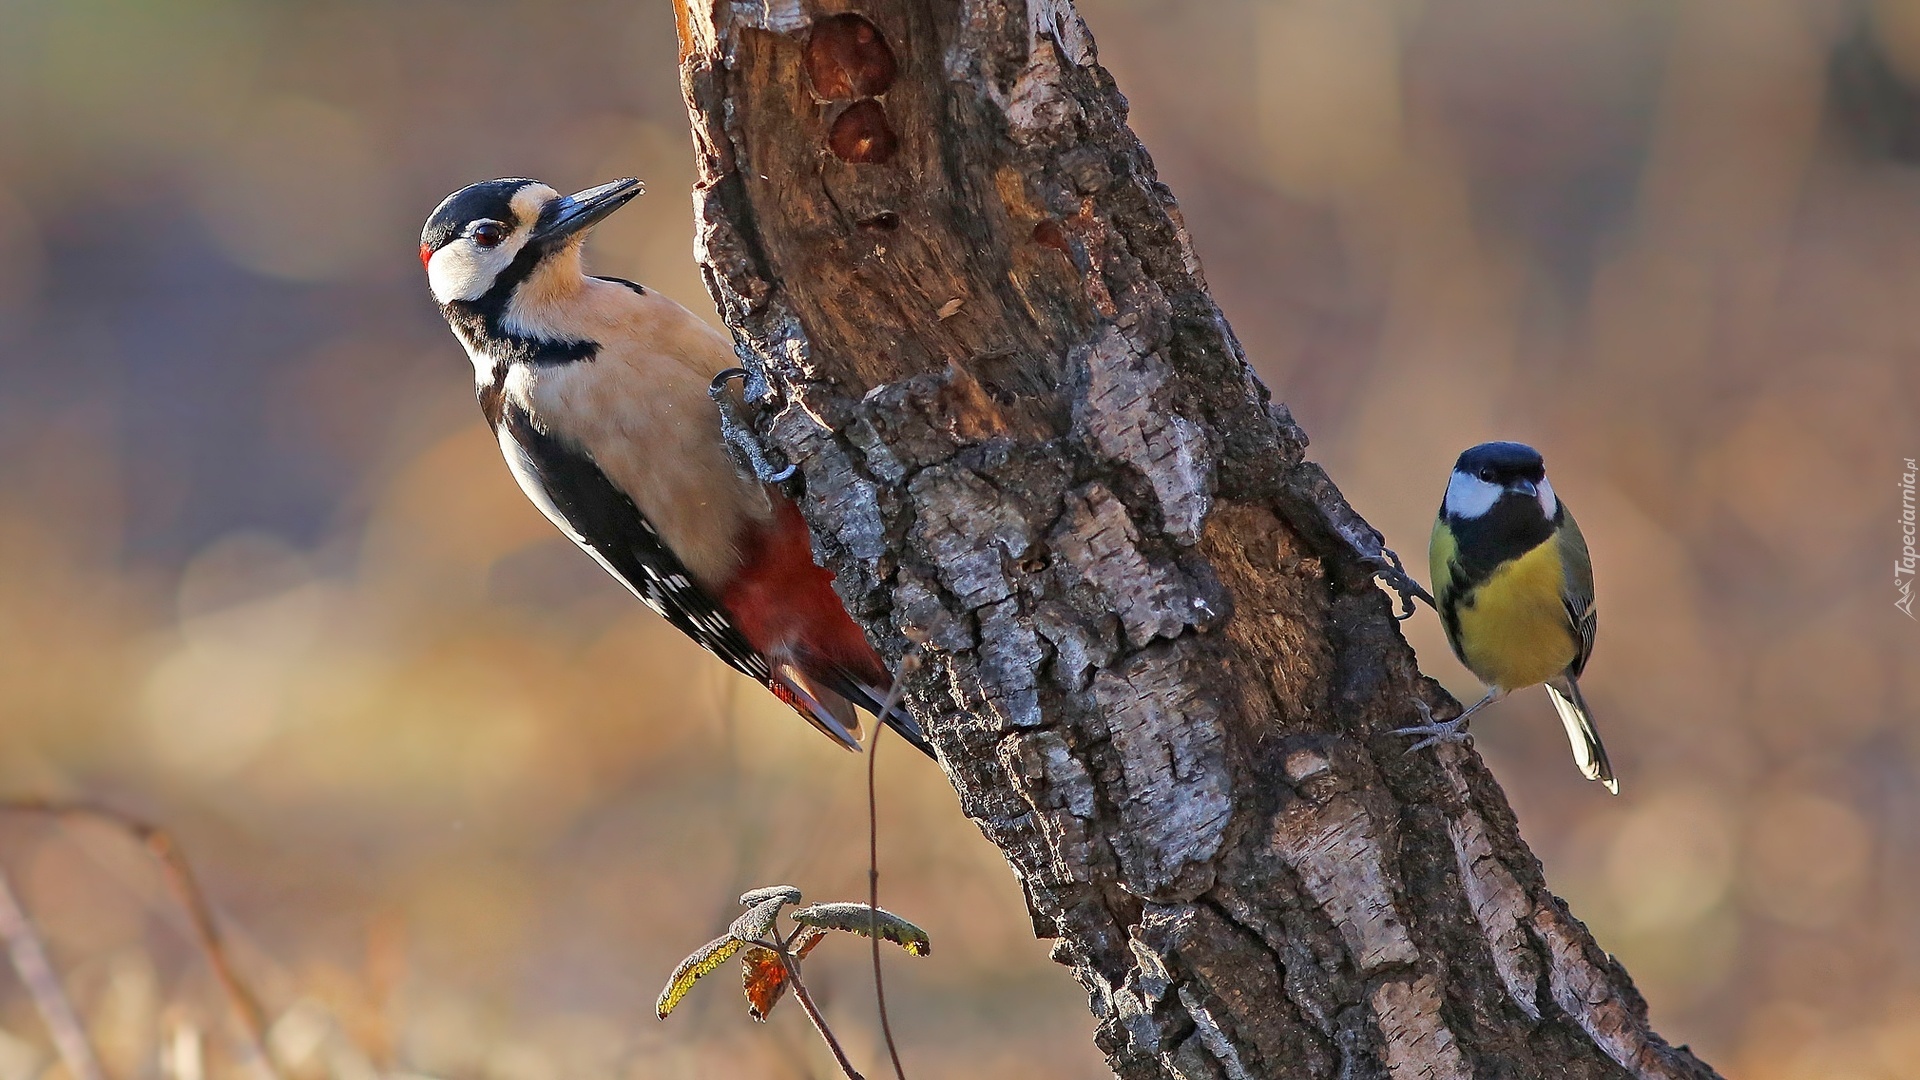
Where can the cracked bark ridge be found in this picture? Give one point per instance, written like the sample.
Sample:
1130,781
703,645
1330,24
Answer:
1158,673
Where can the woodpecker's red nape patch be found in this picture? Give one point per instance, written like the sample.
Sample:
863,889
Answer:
426,255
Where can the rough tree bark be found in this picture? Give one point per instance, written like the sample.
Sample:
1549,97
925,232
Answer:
1159,673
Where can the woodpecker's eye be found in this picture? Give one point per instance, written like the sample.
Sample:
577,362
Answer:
488,233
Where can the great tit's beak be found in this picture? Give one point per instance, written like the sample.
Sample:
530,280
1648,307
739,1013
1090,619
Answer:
1524,487
582,210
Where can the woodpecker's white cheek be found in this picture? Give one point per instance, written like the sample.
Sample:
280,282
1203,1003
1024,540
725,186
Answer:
1469,496
1548,504
464,270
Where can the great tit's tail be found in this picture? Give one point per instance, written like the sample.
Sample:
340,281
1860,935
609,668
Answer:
1587,751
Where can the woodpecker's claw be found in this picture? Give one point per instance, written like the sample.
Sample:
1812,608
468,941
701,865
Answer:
736,431
1387,565
1437,731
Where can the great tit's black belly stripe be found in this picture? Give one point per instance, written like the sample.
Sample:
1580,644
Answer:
608,521
1513,527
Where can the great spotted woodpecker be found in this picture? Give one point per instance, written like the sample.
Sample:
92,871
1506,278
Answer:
597,390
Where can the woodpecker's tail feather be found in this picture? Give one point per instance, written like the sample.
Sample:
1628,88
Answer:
871,698
1588,753
827,698
817,705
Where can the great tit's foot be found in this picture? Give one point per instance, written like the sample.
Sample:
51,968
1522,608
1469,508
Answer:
738,433
1387,566
1436,731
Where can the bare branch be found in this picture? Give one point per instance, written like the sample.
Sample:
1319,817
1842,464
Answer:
185,887
30,962
873,870
819,1021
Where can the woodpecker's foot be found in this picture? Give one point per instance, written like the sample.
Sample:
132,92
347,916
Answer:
738,433
1436,731
1387,565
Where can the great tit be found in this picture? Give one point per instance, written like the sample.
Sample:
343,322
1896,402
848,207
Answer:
1514,588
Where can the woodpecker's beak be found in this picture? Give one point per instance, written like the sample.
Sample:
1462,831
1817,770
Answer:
1524,487
582,210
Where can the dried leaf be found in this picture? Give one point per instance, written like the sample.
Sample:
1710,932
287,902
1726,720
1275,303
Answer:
768,892
758,922
951,308
704,959
859,918
764,978
804,941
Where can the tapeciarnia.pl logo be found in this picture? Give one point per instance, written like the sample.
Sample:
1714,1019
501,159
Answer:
1903,568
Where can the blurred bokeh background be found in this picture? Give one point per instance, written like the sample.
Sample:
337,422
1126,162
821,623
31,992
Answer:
263,579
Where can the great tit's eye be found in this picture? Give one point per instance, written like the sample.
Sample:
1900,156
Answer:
488,233
1487,475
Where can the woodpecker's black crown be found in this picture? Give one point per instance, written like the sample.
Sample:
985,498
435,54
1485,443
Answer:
489,200
1502,463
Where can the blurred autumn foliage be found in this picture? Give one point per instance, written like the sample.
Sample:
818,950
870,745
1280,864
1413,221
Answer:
463,803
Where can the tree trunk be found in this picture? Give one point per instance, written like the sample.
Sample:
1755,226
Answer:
1158,671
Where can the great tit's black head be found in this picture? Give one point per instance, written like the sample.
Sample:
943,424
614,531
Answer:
1507,474
495,234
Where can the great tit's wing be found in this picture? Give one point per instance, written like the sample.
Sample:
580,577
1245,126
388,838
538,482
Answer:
1443,568
1576,590
1440,551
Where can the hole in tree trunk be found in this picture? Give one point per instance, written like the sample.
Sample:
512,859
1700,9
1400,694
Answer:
847,57
861,134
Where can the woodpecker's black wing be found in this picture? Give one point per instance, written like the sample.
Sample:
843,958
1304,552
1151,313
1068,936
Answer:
572,490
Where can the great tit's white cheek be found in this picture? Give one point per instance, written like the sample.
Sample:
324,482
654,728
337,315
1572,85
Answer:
1548,504
1469,496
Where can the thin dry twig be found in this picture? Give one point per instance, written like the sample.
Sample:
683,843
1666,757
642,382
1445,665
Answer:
180,879
873,865
813,1013
36,972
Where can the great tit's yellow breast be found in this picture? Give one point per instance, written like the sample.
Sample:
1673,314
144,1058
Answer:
1513,628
